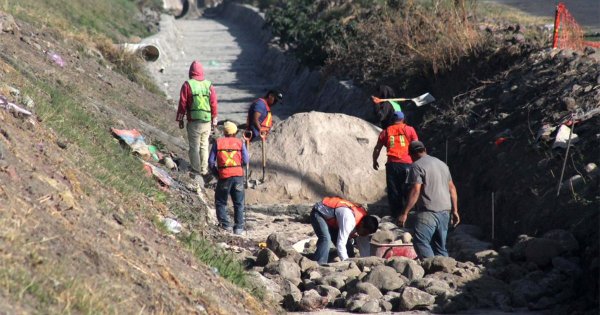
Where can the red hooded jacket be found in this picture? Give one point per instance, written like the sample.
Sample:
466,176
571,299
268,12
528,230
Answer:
185,96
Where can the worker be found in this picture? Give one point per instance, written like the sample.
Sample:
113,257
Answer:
385,110
396,139
227,158
339,220
260,118
198,101
434,190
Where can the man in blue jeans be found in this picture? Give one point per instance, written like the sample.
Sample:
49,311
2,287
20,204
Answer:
227,158
433,189
341,221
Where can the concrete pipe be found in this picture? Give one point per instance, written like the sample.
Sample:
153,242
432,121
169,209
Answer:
148,52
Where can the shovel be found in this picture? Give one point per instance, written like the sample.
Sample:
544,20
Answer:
263,136
247,135
419,101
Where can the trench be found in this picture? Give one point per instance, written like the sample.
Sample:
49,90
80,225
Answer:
234,47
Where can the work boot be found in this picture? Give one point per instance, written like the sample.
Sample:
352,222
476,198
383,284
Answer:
226,228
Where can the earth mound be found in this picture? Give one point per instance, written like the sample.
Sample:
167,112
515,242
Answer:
312,155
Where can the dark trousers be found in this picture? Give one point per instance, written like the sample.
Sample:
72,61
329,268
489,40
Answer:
396,175
233,186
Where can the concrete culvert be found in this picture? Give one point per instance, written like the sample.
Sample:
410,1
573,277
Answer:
148,52
312,155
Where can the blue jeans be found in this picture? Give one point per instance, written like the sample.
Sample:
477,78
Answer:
431,229
325,236
233,186
395,177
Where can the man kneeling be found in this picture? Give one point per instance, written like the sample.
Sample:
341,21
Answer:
341,221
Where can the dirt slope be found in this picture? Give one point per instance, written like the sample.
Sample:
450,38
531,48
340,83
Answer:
76,237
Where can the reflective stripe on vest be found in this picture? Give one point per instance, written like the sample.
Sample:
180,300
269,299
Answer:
229,157
397,144
200,109
267,123
396,106
336,202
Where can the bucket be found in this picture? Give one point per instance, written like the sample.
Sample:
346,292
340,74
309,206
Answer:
391,250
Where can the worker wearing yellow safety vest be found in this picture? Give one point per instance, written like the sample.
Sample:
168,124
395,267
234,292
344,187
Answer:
198,101
227,158
341,221
260,118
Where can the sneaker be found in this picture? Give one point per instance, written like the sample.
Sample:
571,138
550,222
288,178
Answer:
226,228
238,232
208,177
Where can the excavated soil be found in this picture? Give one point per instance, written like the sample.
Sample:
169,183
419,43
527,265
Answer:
312,155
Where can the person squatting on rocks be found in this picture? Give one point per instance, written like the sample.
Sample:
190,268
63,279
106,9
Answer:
396,139
341,221
198,101
259,117
434,190
385,110
227,158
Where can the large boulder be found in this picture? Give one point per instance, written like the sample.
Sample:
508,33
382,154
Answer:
518,249
265,256
413,298
291,295
438,263
346,268
281,246
371,306
356,287
335,280
383,237
286,268
307,265
385,278
329,292
355,302
540,251
368,262
312,301
406,267
565,239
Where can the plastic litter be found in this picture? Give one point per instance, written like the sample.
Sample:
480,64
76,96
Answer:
562,137
4,103
172,225
56,58
159,173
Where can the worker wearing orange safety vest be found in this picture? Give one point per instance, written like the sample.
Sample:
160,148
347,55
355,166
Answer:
227,158
260,118
339,220
396,138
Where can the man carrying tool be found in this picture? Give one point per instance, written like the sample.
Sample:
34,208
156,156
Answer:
260,119
339,220
434,190
227,157
198,101
396,139
385,110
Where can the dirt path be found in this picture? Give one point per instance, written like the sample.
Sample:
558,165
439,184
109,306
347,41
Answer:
586,12
229,56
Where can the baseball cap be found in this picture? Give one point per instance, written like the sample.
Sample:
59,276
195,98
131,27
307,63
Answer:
277,94
416,146
398,115
230,128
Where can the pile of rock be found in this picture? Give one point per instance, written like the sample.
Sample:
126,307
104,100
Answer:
538,273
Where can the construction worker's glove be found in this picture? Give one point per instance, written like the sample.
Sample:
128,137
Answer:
181,124
215,120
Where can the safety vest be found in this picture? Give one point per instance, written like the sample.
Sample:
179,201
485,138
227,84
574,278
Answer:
336,202
229,157
200,109
396,106
267,123
397,142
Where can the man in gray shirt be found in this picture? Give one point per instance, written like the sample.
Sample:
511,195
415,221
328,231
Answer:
433,189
